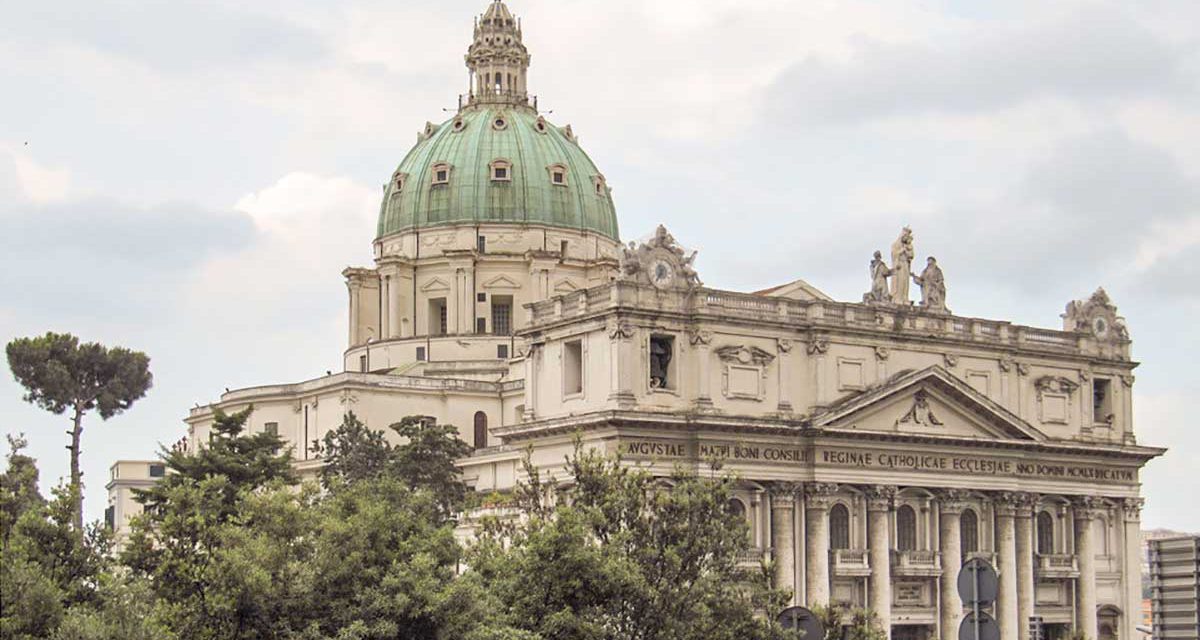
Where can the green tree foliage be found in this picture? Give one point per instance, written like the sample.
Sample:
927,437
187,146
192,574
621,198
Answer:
18,487
844,623
61,375
424,460
620,554
246,462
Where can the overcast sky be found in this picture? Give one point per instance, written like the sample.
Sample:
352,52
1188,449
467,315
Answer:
189,178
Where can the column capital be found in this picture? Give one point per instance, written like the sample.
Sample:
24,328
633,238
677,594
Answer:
1087,507
880,497
1006,503
1133,508
952,500
819,495
783,494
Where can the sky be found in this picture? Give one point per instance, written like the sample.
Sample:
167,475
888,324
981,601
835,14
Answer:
189,178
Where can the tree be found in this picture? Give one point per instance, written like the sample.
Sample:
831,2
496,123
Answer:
246,462
61,375
620,554
846,623
18,487
424,460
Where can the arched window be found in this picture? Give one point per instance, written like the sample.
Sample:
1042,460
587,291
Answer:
839,527
501,170
441,173
480,430
737,508
558,174
1045,533
906,528
969,532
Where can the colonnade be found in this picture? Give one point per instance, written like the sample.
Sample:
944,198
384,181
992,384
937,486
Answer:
1013,545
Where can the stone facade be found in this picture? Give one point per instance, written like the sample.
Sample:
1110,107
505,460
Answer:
879,444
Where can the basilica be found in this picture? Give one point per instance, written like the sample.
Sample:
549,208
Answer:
879,443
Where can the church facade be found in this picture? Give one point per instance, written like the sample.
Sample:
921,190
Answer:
879,443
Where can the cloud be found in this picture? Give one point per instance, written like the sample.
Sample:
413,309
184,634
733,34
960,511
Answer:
1099,53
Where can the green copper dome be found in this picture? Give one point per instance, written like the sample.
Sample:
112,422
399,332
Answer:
497,163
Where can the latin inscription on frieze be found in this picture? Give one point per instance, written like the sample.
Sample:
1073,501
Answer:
972,465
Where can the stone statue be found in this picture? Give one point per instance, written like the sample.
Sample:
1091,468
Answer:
630,261
689,272
660,357
879,282
933,286
902,256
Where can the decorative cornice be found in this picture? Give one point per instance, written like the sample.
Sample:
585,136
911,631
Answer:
1055,384
745,355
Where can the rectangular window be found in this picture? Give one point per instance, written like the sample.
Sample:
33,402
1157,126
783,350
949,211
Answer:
110,517
480,325
271,428
662,362
158,470
502,315
501,173
1102,407
420,354
442,176
481,244
362,363
502,351
437,316
562,248
481,297
572,363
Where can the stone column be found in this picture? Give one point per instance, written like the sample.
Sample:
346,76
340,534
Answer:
818,500
950,606
1006,551
1023,546
1131,557
1085,552
700,340
785,375
783,539
880,499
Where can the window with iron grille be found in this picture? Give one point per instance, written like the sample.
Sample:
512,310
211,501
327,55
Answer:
501,316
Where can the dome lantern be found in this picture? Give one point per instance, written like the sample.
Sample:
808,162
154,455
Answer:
498,60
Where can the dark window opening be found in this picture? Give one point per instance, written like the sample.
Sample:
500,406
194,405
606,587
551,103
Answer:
500,173
662,352
438,319
1102,400
362,363
481,246
158,470
110,517
562,248
442,176
1045,533
420,354
271,428
559,177
502,315
480,325
502,351
968,530
481,434
481,297
737,508
839,527
906,528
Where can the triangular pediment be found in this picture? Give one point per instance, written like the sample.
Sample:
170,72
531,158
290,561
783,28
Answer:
501,282
930,401
565,286
436,284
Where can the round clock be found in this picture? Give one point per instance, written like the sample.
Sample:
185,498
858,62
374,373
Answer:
1100,326
661,273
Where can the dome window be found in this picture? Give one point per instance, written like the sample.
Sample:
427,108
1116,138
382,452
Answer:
441,173
540,126
558,174
499,124
501,170
398,180
601,185
459,125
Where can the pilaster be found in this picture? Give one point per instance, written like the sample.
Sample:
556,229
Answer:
701,339
623,358
880,500
784,347
818,499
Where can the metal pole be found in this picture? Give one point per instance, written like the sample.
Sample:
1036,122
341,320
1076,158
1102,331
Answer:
975,597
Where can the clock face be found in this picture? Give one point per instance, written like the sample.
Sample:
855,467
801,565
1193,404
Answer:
1100,327
661,273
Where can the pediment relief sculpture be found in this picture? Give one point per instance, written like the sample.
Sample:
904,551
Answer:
745,355
660,262
1096,316
920,413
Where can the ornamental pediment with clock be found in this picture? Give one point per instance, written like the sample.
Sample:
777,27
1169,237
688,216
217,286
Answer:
1096,316
660,262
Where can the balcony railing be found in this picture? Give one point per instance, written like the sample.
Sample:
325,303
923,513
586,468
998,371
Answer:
1057,565
850,562
916,562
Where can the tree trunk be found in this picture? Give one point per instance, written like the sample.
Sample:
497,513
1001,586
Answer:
76,475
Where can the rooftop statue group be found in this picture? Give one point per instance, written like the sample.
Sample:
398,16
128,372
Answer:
895,292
